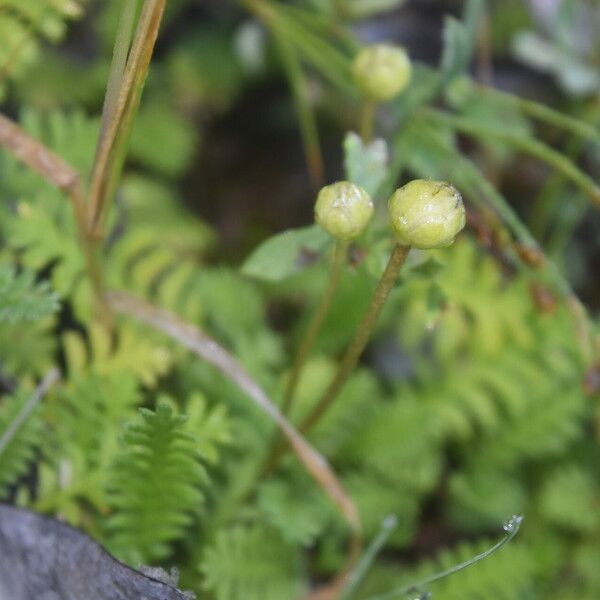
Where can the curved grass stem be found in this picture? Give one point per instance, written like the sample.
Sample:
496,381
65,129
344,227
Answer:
472,178
314,327
537,149
545,114
511,528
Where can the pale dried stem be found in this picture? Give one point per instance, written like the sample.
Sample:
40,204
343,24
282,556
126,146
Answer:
40,391
43,161
118,63
63,176
208,349
116,127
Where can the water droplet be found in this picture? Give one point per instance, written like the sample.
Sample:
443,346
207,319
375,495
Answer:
390,522
513,523
416,594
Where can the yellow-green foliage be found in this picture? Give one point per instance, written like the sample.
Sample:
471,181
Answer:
24,25
467,408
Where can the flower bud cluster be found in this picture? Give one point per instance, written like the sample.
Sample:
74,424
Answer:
424,214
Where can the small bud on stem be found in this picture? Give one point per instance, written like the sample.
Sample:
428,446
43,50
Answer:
343,209
382,71
426,214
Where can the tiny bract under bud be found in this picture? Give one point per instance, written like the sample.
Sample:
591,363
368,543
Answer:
382,71
426,214
343,209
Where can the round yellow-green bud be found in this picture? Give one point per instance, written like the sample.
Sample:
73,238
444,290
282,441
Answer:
426,214
343,209
381,71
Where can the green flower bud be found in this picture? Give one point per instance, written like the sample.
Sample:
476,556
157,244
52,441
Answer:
426,214
343,209
381,71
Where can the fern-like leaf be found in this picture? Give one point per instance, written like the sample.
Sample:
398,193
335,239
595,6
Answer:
28,347
22,299
252,563
296,507
154,487
24,24
569,499
86,416
134,352
212,426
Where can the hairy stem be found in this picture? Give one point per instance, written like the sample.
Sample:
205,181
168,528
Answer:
314,327
363,333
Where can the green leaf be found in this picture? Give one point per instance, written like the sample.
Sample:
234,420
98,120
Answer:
253,563
286,253
365,164
22,299
457,49
360,9
459,40
24,27
211,425
569,499
162,139
298,509
154,488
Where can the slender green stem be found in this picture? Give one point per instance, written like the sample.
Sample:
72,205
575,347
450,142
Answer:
314,47
363,333
306,114
328,26
119,61
13,427
112,143
546,114
367,119
474,179
544,153
337,264
364,564
511,528
355,349
213,353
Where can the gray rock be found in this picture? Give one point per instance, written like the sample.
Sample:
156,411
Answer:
44,559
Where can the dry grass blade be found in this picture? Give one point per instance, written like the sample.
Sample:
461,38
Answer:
61,174
208,349
43,161
119,62
111,145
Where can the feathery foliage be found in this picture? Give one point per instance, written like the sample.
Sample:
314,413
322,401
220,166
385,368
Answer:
476,398
22,299
252,562
154,485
